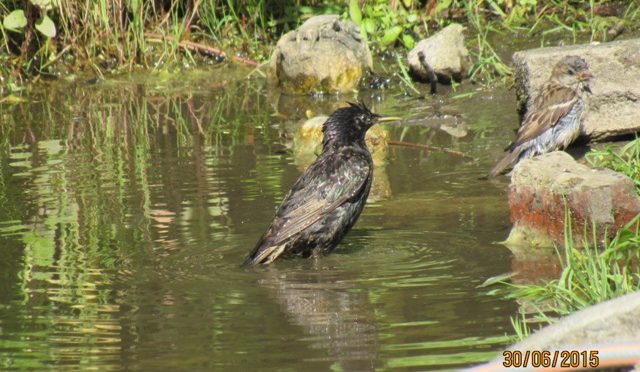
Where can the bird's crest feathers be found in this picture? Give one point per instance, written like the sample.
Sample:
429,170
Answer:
348,124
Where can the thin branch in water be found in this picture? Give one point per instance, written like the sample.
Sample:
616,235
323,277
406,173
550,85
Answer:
433,148
433,78
197,47
57,57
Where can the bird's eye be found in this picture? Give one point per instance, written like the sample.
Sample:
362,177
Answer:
571,71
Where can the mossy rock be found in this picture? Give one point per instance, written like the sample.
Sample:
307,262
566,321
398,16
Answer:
324,55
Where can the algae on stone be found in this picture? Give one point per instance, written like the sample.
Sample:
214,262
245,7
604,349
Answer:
324,55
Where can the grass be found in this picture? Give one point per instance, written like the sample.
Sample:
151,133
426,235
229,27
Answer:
115,34
101,36
592,274
599,271
625,160
487,63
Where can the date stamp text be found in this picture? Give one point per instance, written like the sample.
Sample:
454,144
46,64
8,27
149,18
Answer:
553,359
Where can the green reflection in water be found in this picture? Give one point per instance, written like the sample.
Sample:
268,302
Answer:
128,206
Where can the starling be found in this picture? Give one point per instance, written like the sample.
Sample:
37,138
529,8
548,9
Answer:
553,120
327,199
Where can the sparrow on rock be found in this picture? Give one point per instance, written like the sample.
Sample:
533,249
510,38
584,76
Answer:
553,120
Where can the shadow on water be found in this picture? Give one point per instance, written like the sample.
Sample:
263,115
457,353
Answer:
126,208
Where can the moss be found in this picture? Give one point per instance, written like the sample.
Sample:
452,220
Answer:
306,84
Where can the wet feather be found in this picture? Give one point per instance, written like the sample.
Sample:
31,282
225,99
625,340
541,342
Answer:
327,199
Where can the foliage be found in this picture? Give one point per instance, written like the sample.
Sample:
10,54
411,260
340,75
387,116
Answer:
486,62
386,22
625,160
64,36
105,35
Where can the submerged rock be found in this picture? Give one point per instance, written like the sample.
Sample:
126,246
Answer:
307,145
542,188
307,142
323,55
444,53
614,106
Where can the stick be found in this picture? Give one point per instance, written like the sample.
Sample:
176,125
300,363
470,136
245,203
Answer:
434,148
197,47
57,57
433,78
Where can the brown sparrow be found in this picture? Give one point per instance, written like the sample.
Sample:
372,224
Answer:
553,120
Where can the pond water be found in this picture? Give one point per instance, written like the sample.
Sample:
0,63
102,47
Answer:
128,205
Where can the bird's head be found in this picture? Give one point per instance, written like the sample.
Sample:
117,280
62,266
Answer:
572,71
348,125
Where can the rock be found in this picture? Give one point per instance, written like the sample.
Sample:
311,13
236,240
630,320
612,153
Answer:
307,144
611,328
614,106
445,53
323,55
612,321
540,188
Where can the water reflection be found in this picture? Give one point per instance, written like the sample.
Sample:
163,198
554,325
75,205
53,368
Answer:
126,208
99,184
332,309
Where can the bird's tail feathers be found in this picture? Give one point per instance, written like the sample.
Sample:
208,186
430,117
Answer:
506,162
265,255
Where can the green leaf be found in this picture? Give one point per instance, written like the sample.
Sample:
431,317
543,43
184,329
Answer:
391,35
408,41
369,25
12,100
43,4
354,11
442,5
15,20
46,27
363,34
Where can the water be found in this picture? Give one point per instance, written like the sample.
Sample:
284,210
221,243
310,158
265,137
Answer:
127,206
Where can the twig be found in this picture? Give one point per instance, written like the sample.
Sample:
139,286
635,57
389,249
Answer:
187,25
434,148
197,47
57,57
433,78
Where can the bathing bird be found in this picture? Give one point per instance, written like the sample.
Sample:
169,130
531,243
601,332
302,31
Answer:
553,120
327,199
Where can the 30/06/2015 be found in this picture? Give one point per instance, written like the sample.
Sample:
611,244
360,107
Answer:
556,358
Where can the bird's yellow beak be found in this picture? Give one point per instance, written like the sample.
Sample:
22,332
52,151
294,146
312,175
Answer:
388,118
584,75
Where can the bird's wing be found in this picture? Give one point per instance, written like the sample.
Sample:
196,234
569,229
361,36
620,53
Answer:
327,184
552,104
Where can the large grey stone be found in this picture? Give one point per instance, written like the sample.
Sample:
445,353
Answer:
542,188
616,320
325,54
445,53
614,106
611,329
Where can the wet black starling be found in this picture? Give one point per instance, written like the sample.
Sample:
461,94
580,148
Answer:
327,199
553,121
